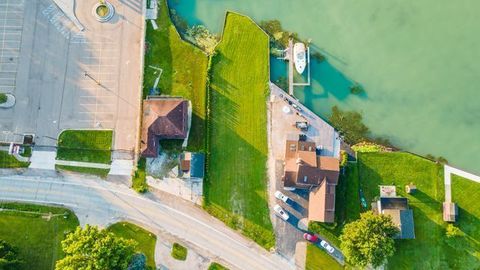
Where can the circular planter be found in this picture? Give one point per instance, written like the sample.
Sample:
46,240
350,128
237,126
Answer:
10,101
103,12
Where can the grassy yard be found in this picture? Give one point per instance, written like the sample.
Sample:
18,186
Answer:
102,173
85,145
184,71
466,249
8,161
36,236
145,239
235,188
431,249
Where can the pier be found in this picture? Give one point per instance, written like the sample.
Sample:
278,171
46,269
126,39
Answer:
289,56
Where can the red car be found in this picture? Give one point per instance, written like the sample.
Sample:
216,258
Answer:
310,237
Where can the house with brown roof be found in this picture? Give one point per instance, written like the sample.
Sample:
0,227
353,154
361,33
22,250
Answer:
163,119
304,169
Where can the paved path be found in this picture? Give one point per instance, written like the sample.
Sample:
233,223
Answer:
82,164
448,171
102,203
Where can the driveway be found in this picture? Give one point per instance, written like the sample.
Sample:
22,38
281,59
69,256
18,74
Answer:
101,203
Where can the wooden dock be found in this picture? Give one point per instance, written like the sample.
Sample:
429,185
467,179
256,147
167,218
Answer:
289,56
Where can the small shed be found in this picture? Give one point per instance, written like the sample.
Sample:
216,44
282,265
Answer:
410,188
450,212
192,165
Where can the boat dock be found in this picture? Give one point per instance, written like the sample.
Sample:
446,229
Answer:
288,56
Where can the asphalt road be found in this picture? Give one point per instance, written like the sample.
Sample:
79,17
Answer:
101,203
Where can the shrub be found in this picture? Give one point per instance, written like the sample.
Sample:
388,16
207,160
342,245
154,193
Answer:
3,98
201,37
453,231
139,181
368,147
179,252
343,158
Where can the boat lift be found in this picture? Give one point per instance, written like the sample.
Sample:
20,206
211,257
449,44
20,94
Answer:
287,55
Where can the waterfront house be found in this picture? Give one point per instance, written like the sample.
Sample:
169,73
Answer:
304,169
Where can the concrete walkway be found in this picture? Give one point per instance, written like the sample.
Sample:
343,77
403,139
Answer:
448,171
82,164
121,167
44,160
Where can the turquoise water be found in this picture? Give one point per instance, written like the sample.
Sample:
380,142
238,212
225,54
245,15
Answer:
417,60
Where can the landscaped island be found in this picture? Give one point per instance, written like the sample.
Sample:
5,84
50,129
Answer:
235,188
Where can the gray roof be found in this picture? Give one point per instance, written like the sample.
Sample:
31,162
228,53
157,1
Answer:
197,165
407,230
394,203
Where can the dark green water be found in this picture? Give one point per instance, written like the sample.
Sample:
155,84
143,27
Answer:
417,60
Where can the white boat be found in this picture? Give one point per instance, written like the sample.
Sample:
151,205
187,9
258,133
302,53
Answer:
299,57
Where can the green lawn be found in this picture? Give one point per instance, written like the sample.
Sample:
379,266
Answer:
102,173
466,194
8,161
179,252
430,249
145,239
85,145
216,266
36,236
235,187
184,71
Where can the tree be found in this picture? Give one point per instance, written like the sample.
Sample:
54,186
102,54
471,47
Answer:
8,257
139,262
349,124
369,240
92,248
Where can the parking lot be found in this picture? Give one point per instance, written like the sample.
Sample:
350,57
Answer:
63,78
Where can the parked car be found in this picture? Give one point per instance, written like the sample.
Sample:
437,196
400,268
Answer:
312,238
279,195
296,107
280,212
326,246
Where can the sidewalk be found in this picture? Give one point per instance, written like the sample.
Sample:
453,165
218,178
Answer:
82,164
